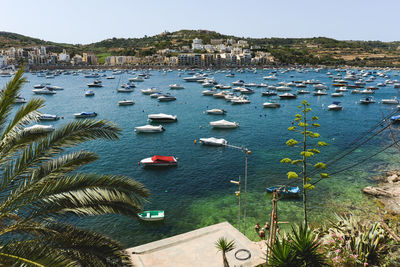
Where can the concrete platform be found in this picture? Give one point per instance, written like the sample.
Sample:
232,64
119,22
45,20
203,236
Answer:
197,248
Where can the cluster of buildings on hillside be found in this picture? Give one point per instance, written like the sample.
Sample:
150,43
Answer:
40,56
219,53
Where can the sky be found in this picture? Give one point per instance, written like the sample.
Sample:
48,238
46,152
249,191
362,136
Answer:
88,21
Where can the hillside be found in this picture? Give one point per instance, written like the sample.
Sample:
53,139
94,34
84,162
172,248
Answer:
317,50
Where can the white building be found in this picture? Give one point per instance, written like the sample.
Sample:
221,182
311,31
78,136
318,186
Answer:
197,44
43,50
3,61
63,56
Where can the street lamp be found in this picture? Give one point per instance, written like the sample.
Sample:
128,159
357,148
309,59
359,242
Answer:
238,193
247,152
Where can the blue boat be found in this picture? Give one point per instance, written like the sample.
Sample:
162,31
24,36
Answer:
285,190
395,119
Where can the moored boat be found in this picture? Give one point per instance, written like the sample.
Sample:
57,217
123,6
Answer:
151,215
216,111
284,190
126,102
48,117
224,124
85,115
149,129
159,161
212,141
161,117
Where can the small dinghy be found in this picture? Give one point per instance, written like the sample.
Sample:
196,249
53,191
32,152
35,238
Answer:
212,141
284,190
151,215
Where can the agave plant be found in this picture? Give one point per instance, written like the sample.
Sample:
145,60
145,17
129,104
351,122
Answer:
299,248
282,254
224,246
40,187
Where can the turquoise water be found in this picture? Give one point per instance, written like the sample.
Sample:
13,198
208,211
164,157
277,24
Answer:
198,192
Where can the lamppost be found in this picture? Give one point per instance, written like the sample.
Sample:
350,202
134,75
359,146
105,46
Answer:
238,193
247,152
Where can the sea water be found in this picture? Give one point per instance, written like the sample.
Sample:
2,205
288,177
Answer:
198,191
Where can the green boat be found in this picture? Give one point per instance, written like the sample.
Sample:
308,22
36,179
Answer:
151,215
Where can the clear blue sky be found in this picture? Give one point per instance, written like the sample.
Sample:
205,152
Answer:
86,21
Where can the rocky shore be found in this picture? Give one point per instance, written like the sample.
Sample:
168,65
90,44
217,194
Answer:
388,191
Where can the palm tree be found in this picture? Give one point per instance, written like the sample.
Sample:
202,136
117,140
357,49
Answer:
224,246
40,187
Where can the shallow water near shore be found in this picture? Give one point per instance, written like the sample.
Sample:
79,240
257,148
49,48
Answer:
198,193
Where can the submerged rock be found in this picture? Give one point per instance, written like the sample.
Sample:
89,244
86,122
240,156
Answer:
388,192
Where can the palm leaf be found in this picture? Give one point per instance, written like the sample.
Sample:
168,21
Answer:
8,96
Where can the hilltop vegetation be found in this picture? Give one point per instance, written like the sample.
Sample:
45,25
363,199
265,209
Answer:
317,50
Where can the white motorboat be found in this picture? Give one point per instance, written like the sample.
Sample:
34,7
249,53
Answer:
176,86
212,141
240,100
126,102
271,105
216,111
355,91
320,86
39,86
224,87
54,87
159,161
288,96
149,129
161,117
166,98
48,117
247,91
194,78
367,100
207,84
209,92
367,91
223,124
271,77
89,93
335,106
239,82
340,94
44,91
19,100
303,92
110,77
126,89
85,115
136,79
268,93
392,101
39,129
320,92
283,88
150,91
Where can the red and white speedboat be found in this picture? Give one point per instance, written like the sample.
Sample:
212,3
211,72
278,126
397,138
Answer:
159,161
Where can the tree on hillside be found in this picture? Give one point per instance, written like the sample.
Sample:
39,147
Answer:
40,187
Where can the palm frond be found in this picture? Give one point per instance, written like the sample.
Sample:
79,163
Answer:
77,192
85,247
71,134
9,95
25,115
33,253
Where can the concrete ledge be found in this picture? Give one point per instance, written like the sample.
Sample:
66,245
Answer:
197,248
